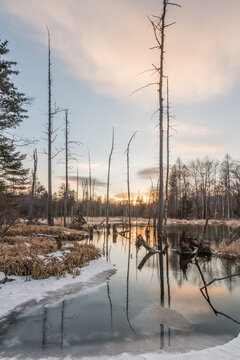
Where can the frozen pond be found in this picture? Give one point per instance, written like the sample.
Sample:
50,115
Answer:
125,315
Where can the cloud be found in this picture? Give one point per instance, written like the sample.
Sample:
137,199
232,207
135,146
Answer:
106,43
184,128
147,173
124,196
95,181
197,147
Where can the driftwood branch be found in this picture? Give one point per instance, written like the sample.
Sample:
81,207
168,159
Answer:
141,242
206,294
203,238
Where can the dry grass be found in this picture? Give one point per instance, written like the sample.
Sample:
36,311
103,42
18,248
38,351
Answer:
234,223
229,249
31,256
28,230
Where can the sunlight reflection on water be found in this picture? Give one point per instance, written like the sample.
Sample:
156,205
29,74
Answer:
119,316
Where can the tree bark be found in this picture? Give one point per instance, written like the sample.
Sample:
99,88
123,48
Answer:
108,179
50,216
66,168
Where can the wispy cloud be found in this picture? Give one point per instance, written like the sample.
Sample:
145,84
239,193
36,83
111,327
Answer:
73,178
147,173
184,128
106,43
198,148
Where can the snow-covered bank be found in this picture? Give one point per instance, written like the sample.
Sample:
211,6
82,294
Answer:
20,294
228,351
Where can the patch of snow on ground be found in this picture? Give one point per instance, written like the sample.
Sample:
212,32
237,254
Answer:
68,245
2,276
55,254
18,293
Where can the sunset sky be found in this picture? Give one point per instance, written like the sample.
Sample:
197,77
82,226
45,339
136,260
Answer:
99,49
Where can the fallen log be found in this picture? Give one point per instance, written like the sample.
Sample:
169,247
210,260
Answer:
123,233
141,242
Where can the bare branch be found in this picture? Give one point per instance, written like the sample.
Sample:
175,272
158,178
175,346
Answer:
174,4
143,87
173,23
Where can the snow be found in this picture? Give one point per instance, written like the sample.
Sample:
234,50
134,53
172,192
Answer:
2,276
229,351
17,295
55,254
68,245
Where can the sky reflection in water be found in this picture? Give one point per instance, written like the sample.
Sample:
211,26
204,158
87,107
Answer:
120,315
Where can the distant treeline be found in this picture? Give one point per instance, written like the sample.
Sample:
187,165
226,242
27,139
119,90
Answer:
203,188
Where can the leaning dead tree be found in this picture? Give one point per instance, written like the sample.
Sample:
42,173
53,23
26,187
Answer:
159,26
108,179
128,180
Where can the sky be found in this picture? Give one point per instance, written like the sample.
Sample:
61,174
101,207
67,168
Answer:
100,54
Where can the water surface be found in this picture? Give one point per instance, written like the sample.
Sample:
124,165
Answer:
123,315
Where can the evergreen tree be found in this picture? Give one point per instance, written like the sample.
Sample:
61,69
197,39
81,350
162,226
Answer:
12,113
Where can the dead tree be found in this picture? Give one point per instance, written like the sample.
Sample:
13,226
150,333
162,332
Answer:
108,179
34,178
159,26
128,181
66,167
51,136
50,131
77,185
90,186
167,171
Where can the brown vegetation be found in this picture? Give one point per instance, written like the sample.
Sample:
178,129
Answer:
232,249
33,230
22,253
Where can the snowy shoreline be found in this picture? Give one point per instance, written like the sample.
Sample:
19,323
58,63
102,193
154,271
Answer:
19,295
230,350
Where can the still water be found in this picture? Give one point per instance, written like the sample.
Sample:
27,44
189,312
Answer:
122,315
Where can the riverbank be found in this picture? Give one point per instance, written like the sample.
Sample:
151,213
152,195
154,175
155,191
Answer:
230,350
39,261
234,223
41,251
19,294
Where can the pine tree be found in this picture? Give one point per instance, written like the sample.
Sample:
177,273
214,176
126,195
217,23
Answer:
12,113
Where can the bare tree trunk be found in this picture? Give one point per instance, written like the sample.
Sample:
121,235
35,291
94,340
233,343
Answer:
128,182
90,184
160,89
77,185
167,172
108,179
159,26
228,188
34,176
50,216
66,169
